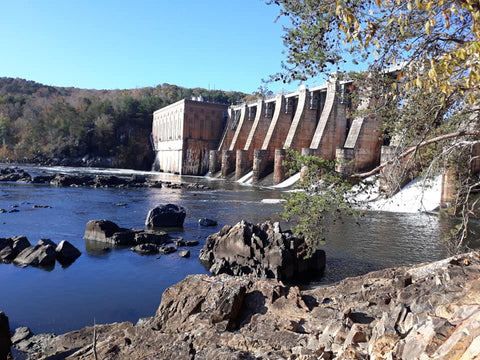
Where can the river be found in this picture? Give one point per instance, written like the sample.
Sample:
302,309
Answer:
121,285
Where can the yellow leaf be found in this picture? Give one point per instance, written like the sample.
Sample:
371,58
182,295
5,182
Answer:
409,6
427,27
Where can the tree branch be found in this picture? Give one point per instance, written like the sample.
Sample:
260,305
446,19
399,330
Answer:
414,148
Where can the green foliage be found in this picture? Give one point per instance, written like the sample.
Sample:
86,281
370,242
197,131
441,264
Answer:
67,122
322,196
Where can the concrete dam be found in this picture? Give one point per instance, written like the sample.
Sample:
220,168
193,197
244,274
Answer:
192,137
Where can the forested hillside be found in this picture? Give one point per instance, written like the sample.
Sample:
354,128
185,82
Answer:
102,127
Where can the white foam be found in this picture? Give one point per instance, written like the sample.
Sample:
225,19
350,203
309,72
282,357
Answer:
419,195
288,182
272,201
246,179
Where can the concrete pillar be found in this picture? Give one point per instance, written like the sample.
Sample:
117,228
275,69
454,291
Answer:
278,167
345,163
228,161
214,163
242,164
261,165
386,154
449,189
306,152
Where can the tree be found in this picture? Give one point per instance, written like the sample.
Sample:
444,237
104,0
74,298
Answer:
431,110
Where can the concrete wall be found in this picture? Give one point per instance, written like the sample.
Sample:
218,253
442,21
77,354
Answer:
331,128
167,134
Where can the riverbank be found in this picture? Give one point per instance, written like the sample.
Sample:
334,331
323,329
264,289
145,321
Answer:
428,311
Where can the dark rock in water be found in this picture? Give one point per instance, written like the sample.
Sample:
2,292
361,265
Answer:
37,255
11,247
154,237
184,253
207,222
137,178
124,237
120,204
20,334
156,184
20,243
169,215
145,249
262,250
179,242
43,179
108,181
47,242
100,230
164,250
5,341
66,253
3,211
191,243
42,207
13,211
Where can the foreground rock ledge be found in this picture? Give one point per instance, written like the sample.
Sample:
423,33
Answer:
428,311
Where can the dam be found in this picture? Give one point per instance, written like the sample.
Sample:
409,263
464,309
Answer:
193,137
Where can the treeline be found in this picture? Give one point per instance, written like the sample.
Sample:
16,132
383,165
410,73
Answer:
39,121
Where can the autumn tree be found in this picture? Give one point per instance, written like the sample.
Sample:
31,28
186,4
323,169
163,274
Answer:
431,108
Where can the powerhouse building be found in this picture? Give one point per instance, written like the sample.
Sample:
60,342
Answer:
183,133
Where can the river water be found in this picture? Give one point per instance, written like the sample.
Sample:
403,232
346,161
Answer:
120,285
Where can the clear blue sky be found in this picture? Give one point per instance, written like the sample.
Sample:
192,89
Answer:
105,44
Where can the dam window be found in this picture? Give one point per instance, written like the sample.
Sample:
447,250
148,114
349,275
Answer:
269,107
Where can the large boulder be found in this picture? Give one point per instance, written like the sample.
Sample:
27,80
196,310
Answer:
169,215
66,253
42,254
11,247
262,250
5,341
100,230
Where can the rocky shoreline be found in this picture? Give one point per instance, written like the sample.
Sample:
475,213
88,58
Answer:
426,311
16,174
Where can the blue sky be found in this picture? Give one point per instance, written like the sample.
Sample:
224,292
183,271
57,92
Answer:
104,44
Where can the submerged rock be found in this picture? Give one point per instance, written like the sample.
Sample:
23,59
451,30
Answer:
184,253
169,215
262,250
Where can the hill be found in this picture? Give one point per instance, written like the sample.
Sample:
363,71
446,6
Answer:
40,123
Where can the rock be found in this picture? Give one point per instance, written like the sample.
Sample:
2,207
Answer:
12,247
154,237
38,255
120,204
184,253
47,242
191,243
5,341
20,334
42,207
100,230
13,211
165,250
262,250
139,179
374,316
66,253
179,242
169,215
145,249
207,222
